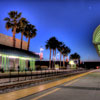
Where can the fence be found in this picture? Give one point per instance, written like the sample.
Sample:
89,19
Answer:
8,77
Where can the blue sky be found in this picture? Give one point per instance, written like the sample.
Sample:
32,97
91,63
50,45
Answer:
70,21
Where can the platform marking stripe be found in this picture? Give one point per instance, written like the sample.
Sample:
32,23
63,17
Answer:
46,94
50,92
71,82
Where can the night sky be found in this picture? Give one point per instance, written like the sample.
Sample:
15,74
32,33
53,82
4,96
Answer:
70,21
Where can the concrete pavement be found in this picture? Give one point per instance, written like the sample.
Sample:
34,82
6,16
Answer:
23,93
83,88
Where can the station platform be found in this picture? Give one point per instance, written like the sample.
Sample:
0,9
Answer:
15,95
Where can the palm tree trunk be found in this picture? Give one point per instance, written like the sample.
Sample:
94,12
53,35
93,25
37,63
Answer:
21,44
60,59
28,43
53,59
14,40
53,55
63,61
50,60
78,62
55,52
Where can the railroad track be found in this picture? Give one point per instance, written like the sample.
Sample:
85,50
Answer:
33,81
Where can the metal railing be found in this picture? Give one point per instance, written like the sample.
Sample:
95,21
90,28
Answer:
17,76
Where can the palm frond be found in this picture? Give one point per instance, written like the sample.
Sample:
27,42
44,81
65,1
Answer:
46,46
18,30
33,33
7,19
12,14
8,25
18,15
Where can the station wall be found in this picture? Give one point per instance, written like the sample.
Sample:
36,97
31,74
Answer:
7,40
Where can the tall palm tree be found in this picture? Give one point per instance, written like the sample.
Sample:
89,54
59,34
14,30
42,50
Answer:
52,44
12,23
30,32
56,46
65,52
60,49
22,25
48,46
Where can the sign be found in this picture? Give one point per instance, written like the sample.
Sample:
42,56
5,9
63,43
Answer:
41,55
56,66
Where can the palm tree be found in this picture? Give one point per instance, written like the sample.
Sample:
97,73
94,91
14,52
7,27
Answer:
65,52
52,44
12,23
29,33
56,45
60,49
48,46
22,25
75,56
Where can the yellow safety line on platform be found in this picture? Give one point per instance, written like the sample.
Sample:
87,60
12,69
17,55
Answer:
52,91
46,94
71,82
28,91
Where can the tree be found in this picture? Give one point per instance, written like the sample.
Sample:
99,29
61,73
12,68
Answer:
22,25
60,49
65,52
48,46
55,46
29,33
12,23
52,44
75,57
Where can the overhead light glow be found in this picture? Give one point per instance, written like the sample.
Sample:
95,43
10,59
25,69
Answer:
16,57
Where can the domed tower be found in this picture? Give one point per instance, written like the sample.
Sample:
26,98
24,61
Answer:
96,39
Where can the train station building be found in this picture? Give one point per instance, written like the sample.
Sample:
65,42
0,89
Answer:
12,58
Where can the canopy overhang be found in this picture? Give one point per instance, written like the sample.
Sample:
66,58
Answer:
12,52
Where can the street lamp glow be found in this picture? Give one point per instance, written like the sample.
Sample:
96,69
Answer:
71,62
